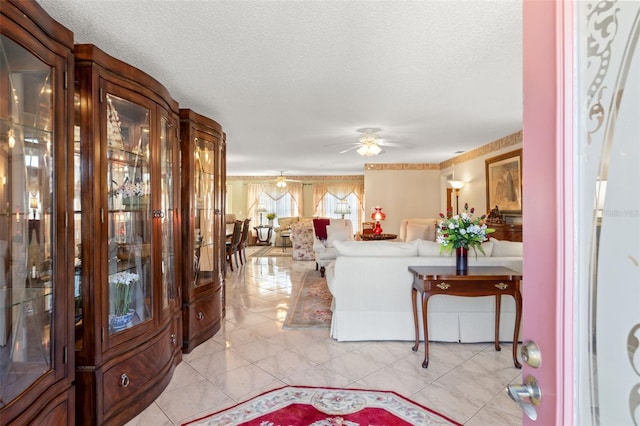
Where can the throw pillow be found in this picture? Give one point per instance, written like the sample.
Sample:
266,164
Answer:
419,232
337,233
320,227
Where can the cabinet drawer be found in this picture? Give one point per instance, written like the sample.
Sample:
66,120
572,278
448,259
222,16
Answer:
204,313
457,287
137,372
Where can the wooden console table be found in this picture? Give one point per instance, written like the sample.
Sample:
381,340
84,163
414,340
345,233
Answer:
479,281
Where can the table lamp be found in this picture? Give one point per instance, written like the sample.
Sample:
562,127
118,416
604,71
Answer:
34,206
342,208
261,209
377,215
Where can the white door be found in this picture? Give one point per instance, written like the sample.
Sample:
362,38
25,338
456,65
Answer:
582,209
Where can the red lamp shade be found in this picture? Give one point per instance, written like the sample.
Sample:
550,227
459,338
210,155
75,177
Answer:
377,215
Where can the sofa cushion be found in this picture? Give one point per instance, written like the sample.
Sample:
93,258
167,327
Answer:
421,231
376,248
428,248
337,233
503,248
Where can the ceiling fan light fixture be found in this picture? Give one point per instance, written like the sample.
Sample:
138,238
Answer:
369,149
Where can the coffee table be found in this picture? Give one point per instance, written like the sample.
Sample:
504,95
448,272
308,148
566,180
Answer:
477,282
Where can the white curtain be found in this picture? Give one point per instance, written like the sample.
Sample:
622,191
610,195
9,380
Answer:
255,190
339,191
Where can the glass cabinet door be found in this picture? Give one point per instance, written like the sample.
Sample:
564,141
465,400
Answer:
26,219
128,179
167,211
205,259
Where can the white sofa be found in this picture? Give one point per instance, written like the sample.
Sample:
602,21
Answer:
371,287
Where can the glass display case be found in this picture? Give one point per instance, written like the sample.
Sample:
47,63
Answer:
202,194
127,305
34,314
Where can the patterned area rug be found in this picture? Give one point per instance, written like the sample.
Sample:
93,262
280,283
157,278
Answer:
311,306
270,251
296,405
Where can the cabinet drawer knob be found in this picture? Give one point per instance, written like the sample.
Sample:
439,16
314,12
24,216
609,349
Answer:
502,286
124,380
200,316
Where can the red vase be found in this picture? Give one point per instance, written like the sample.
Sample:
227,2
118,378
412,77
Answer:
462,261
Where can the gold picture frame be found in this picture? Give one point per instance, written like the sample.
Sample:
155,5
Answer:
504,182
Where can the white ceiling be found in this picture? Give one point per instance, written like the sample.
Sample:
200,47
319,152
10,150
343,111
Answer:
286,78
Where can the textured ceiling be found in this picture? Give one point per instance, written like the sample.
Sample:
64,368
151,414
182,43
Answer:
287,78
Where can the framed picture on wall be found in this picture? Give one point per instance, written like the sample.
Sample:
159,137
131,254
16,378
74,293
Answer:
504,182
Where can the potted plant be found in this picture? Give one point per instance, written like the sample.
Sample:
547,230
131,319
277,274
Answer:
270,217
120,298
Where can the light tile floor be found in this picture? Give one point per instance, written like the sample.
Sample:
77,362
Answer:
252,354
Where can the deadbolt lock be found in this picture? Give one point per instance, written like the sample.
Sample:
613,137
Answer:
531,354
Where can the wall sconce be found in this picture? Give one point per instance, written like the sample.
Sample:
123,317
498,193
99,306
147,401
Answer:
457,186
377,215
342,208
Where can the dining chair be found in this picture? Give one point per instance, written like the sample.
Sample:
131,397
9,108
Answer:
243,240
232,245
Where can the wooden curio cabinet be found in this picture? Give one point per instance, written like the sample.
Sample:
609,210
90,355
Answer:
36,262
127,304
203,162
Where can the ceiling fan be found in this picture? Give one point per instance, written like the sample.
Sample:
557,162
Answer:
369,144
281,181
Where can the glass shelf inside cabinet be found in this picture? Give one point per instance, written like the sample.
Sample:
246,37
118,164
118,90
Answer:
129,179
26,219
205,247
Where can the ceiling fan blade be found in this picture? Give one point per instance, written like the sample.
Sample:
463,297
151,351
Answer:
395,144
342,144
349,149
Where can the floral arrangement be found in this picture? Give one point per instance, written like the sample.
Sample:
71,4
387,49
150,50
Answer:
122,291
462,230
271,216
128,189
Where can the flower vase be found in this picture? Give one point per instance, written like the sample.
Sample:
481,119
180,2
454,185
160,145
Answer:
119,322
462,260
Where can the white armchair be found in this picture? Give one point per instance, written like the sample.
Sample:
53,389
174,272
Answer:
324,237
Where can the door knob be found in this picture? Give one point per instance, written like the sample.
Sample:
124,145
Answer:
529,390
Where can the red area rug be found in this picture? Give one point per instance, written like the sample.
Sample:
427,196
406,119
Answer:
298,405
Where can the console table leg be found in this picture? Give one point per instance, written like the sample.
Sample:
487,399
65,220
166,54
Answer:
414,303
425,300
497,331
